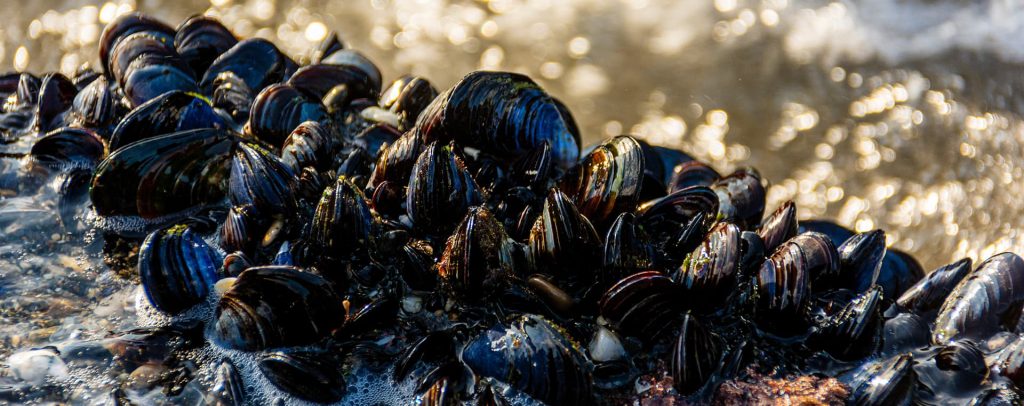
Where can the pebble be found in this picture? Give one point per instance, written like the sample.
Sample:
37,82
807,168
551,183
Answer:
606,346
35,366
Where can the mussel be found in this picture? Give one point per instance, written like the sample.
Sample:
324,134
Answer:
533,355
709,273
314,375
177,268
563,241
519,114
164,175
695,356
478,256
275,306
343,224
978,303
278,110
928,294
609,180
440,191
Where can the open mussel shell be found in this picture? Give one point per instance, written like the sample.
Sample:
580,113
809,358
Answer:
170,112
709,273
779,226
164,175
627,250
854,332
255,61
882,382
928,294
275,306
228,388
641,305
861,259
563,241
440,191
317,80
977,305
261,181
68,148
695,356
691,173
477,256
315,375
407,97
200,39
535,356
177,268
124,26
309,145
741,197
520,117
343,223
609,180
278,110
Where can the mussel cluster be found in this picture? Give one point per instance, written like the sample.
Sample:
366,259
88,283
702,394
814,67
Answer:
468,236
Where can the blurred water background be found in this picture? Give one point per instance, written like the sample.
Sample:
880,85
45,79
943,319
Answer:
904,115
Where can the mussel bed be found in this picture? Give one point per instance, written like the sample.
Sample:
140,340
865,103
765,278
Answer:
301,233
